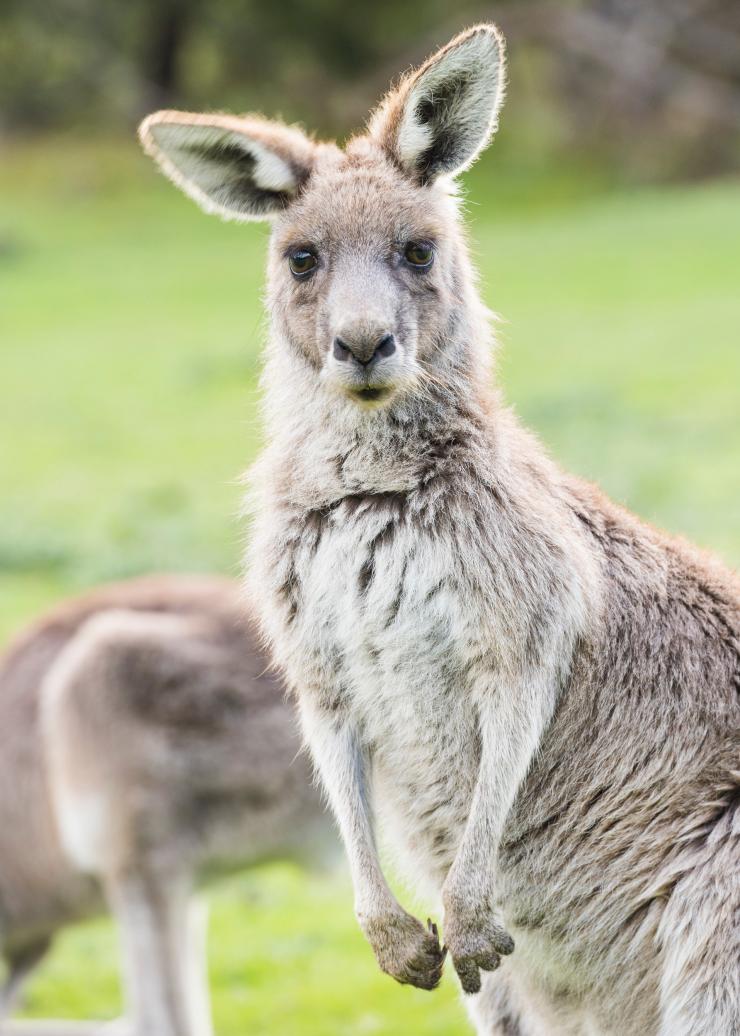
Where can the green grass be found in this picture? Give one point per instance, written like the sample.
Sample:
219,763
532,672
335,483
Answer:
130,328
285,957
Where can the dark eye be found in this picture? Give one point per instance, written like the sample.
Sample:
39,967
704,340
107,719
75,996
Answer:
301,262
419,254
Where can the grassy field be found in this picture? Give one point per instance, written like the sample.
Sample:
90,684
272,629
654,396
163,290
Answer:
130,329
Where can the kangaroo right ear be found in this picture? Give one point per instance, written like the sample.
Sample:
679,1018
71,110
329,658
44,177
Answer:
442,115
239,168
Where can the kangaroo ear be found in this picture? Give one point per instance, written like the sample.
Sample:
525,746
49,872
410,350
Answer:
442,115
239,168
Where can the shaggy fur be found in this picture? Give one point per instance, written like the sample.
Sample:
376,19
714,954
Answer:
532,694
143,743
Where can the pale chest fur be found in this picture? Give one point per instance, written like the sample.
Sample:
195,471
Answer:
396,609
371,619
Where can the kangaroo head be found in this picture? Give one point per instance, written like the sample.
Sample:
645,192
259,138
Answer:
368,279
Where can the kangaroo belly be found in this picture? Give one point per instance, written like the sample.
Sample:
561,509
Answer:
422,795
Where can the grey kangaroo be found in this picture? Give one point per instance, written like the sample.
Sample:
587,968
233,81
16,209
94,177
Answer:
142,740
531,693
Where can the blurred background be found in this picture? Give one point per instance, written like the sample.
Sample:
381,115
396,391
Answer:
606,223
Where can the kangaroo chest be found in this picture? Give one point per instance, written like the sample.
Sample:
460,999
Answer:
383,627
383,608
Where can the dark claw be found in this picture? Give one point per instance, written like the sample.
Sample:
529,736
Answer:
505,944
469,977
488,961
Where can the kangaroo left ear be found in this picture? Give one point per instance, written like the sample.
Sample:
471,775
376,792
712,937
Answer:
443,115
239,168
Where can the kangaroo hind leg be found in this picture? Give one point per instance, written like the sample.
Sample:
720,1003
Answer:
21,962
700,937
163,953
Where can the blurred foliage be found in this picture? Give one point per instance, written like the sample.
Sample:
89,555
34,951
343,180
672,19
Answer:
650,86
76,60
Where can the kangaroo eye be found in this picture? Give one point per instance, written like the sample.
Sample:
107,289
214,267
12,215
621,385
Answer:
419,254
302,262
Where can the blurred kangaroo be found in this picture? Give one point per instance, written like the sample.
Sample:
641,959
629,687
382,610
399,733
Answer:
142,741
533,693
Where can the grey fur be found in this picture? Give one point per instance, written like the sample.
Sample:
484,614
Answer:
530,692
145,745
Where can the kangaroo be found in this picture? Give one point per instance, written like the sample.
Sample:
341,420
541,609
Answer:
143,743
528,693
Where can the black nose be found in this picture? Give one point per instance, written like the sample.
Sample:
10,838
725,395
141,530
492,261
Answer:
365,350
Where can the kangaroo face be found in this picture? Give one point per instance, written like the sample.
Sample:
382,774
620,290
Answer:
366,268
361,278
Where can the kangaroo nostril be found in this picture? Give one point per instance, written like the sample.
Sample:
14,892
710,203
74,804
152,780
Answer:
386,346
364,350
341,351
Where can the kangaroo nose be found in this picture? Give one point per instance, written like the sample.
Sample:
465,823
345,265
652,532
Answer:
365,350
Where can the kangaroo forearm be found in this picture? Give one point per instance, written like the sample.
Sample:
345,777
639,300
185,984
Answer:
341,765
512,720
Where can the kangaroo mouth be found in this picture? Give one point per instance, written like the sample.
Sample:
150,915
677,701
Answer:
371,395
